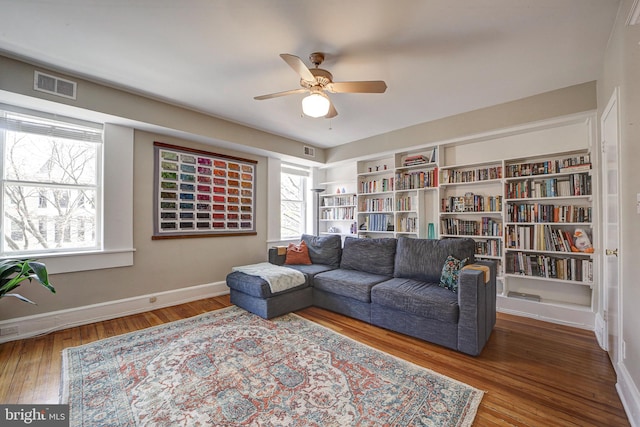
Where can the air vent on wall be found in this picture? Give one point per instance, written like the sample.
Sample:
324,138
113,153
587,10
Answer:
54,85
309,151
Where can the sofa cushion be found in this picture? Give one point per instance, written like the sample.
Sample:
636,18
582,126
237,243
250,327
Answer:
420,298
256,286
451,272
376,256
297,254
325,250
422,259
349,283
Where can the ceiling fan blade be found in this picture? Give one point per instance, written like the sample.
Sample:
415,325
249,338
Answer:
373,86
298,66
277,94
332,111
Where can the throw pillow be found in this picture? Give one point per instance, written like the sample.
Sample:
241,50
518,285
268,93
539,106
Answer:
451,272
297,254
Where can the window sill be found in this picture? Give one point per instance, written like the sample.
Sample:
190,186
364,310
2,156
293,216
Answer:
85,261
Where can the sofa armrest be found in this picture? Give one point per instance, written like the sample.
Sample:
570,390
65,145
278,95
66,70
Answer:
277,255
477,302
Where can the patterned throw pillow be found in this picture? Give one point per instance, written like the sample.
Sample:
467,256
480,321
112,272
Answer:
297,254
450,272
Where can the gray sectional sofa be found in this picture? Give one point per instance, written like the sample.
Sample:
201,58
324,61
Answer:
391,283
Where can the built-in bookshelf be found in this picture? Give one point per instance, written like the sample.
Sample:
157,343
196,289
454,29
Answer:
375,185
338,204
521,196
393,192
548,202
471,204
337,213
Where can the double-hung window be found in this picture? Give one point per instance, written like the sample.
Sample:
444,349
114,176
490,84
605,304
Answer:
51,177
293,201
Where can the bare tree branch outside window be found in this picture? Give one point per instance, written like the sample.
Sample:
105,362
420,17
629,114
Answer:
292,204
50,191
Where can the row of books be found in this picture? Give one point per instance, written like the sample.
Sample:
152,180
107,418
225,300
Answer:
376,185
578,184
416,160
480,174
378,222
338,201
337,213
485,227
569,164
574,269
408,224
382,204
492,247
538,237
417,179
471,203
538,212
407,203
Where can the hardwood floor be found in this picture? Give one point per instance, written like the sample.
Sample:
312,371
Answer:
534,373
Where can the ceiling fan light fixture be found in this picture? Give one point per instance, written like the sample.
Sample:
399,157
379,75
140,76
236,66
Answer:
316,105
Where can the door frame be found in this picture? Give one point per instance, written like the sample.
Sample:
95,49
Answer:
605,312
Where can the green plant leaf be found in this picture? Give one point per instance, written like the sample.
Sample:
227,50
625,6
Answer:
14,271
21,298
40,274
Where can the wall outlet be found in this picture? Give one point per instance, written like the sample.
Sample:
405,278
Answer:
9,330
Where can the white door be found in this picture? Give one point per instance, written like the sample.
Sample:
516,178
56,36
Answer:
611,230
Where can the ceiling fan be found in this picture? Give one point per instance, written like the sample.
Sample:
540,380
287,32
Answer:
316,81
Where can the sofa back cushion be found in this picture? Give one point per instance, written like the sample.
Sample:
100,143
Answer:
376,256
325,250
422,259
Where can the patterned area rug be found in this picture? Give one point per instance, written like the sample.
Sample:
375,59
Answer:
230,367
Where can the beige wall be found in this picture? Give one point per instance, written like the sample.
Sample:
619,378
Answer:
570,100
16,77
159,265
622,69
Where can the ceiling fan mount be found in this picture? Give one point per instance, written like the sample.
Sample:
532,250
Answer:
316,58
317,80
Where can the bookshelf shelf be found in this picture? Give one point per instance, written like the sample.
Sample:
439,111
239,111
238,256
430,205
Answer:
548,279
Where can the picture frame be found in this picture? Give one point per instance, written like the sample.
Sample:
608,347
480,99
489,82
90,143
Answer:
199,193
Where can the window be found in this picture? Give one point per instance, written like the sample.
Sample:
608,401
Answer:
50,179
293,201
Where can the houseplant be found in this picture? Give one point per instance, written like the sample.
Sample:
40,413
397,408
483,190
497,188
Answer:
15,271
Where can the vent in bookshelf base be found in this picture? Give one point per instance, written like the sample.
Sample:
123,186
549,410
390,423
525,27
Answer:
522,295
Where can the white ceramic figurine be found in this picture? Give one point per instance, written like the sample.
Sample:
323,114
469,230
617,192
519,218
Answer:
581,242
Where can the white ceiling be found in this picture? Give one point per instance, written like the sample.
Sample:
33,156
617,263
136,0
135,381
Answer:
438,57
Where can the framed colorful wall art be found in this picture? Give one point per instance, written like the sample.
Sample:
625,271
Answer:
202,194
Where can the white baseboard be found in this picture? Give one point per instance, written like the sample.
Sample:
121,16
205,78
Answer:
580,324
30,326
629,395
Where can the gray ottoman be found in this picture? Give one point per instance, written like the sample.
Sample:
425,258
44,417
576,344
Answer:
253,294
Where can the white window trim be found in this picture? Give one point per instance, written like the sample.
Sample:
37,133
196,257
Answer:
118,210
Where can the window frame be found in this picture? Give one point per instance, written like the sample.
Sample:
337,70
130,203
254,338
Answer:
87,132
289,169
117,195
